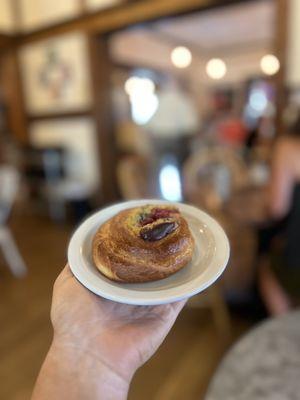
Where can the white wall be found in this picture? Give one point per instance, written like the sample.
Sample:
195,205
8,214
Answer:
6,16
78,137
38,13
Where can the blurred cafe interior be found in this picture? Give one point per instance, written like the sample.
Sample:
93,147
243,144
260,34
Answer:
194,101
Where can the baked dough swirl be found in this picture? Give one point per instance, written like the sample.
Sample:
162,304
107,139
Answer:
143,244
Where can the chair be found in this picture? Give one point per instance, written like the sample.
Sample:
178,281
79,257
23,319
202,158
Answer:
209,175
9,184
211,191
134,179
46,174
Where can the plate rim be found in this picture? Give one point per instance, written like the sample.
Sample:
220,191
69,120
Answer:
138,297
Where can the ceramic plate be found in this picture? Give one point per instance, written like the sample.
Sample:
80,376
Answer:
209,260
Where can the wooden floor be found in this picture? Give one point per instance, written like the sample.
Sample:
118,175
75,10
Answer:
179,371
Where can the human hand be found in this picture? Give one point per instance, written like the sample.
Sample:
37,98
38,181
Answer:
122,337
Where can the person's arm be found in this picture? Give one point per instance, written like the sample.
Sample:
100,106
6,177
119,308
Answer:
282,180
98,344
70,373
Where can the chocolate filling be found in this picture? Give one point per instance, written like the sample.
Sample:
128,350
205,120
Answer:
157,232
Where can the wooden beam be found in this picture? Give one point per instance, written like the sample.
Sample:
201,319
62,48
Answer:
101,69
121,16
5,36
10,82
6,41
281,24
61,115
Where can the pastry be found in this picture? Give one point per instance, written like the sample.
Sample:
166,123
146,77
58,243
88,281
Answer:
143,244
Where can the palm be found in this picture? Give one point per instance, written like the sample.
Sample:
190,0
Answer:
127,335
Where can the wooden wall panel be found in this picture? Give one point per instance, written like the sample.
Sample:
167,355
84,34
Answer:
12,91
281,26
102,111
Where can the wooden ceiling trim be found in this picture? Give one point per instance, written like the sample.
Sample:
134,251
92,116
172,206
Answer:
121,16
6,41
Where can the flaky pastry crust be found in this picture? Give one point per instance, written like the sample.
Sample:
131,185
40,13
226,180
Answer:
143,244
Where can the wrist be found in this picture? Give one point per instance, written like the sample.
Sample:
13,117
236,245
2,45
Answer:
118,359
86,376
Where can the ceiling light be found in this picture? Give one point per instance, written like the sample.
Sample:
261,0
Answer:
181,57
216,68
270,64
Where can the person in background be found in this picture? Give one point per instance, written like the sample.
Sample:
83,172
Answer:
258,143
98,345
280,272
224,126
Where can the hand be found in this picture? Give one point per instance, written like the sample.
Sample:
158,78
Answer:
122,337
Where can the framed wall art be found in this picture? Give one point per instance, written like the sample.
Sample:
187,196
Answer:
56,75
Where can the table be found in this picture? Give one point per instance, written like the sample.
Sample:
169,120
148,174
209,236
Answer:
263,365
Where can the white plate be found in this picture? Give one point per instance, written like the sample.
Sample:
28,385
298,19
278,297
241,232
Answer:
209,260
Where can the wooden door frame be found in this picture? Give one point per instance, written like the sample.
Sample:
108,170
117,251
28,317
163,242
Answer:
102,112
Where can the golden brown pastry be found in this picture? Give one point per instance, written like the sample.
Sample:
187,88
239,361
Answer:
143,244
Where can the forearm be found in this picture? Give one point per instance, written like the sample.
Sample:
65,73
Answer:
69,373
